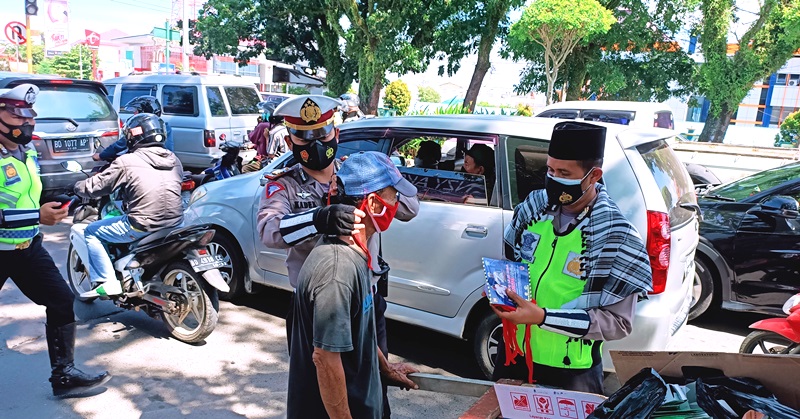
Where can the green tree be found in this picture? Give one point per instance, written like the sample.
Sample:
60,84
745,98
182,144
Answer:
298,90
471,27
789,133
75,63
763,49
397,96
557,26
635,60
428,94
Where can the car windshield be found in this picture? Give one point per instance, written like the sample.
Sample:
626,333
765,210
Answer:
80,103
761,181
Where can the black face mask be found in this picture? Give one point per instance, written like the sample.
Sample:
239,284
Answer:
562,192
316,155
20,134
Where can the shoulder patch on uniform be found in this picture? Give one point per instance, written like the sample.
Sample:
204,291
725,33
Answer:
273,188
10,174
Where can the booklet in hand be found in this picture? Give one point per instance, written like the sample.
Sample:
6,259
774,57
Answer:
502,275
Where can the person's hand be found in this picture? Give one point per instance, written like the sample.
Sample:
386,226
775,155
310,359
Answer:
339,220
96,156
398,375
527,312
51,213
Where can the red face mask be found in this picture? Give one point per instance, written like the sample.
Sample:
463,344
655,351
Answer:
382,220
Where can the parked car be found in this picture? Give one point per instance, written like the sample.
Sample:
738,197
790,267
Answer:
637,114
748,258
74,119
436,278
202,110
275,98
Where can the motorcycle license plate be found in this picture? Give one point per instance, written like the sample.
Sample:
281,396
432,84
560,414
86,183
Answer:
204,263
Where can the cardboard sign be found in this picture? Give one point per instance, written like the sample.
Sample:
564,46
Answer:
518,402
778,373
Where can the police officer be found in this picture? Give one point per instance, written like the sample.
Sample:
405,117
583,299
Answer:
293,211
22,257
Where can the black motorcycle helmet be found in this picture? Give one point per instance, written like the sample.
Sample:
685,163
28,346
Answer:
144,130
143,104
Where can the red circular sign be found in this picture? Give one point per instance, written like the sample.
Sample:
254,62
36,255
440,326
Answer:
15,32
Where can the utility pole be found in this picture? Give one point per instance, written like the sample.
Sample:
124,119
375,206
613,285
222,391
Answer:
185,34
166,52
31,9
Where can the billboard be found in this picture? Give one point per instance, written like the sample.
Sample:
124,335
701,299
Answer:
56,22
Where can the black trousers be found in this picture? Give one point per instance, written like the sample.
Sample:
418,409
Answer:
380,332
588,380
36,275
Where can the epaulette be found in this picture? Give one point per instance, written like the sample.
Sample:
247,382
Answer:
277,174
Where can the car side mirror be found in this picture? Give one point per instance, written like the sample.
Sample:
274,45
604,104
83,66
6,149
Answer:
72,166
780,206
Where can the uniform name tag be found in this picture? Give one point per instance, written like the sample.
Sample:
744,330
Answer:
10,174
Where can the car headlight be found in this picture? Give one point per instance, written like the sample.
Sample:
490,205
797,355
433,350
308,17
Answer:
197,195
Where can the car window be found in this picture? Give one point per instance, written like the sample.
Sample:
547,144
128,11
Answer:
757,183
179,100
215,103
527,167
131,91
664,120
611,117
81,103
112,88
243,100
435,165
559,113
674,184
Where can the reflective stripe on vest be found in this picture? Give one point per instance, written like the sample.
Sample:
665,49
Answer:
20,188
555,272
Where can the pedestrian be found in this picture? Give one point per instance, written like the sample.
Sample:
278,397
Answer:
137,105
22,256
335,364
277,135
294,211
588,267
259,137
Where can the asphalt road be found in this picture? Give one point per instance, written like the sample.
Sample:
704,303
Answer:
240,371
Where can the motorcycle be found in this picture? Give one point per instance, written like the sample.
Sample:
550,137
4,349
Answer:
777,335
169,274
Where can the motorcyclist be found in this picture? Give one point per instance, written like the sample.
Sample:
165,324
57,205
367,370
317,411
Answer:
137,105
149,178
350,107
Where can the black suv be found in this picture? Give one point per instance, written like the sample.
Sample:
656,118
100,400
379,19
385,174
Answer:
74,119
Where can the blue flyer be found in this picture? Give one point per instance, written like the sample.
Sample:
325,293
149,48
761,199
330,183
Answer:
502,275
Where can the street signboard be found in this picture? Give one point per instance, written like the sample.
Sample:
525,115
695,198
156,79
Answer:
15,32
162,34
92,38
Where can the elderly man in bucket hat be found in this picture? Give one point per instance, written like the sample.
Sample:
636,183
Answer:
22,256
333,333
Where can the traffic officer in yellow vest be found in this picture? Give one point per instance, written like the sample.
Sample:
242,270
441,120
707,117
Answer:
293,211
588,267
22,257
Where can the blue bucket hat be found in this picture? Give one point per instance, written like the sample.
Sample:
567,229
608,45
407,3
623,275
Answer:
370,171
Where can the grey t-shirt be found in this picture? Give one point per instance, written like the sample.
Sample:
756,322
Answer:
334,311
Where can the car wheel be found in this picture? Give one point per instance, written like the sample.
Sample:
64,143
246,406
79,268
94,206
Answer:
233,270
485,342
702,291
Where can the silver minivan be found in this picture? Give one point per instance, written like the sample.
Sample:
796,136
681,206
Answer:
436,276
202,110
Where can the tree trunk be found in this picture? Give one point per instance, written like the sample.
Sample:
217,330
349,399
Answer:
716,126
481,67
374,96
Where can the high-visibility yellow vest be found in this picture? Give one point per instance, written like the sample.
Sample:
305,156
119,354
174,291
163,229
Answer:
20,189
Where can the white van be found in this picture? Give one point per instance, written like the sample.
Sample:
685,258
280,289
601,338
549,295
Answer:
635,114
202,110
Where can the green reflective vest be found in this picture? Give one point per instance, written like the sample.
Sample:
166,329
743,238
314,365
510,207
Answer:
20,188
555,272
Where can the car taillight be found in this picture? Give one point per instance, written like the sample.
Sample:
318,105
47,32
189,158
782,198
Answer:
35,137
187,185
658,248
114,133
60,81
209,140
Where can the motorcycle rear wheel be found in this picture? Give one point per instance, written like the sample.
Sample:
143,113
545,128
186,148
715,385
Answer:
198,318
766,342
78,275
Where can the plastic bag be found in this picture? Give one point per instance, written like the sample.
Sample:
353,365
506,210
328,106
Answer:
638,398
731,398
